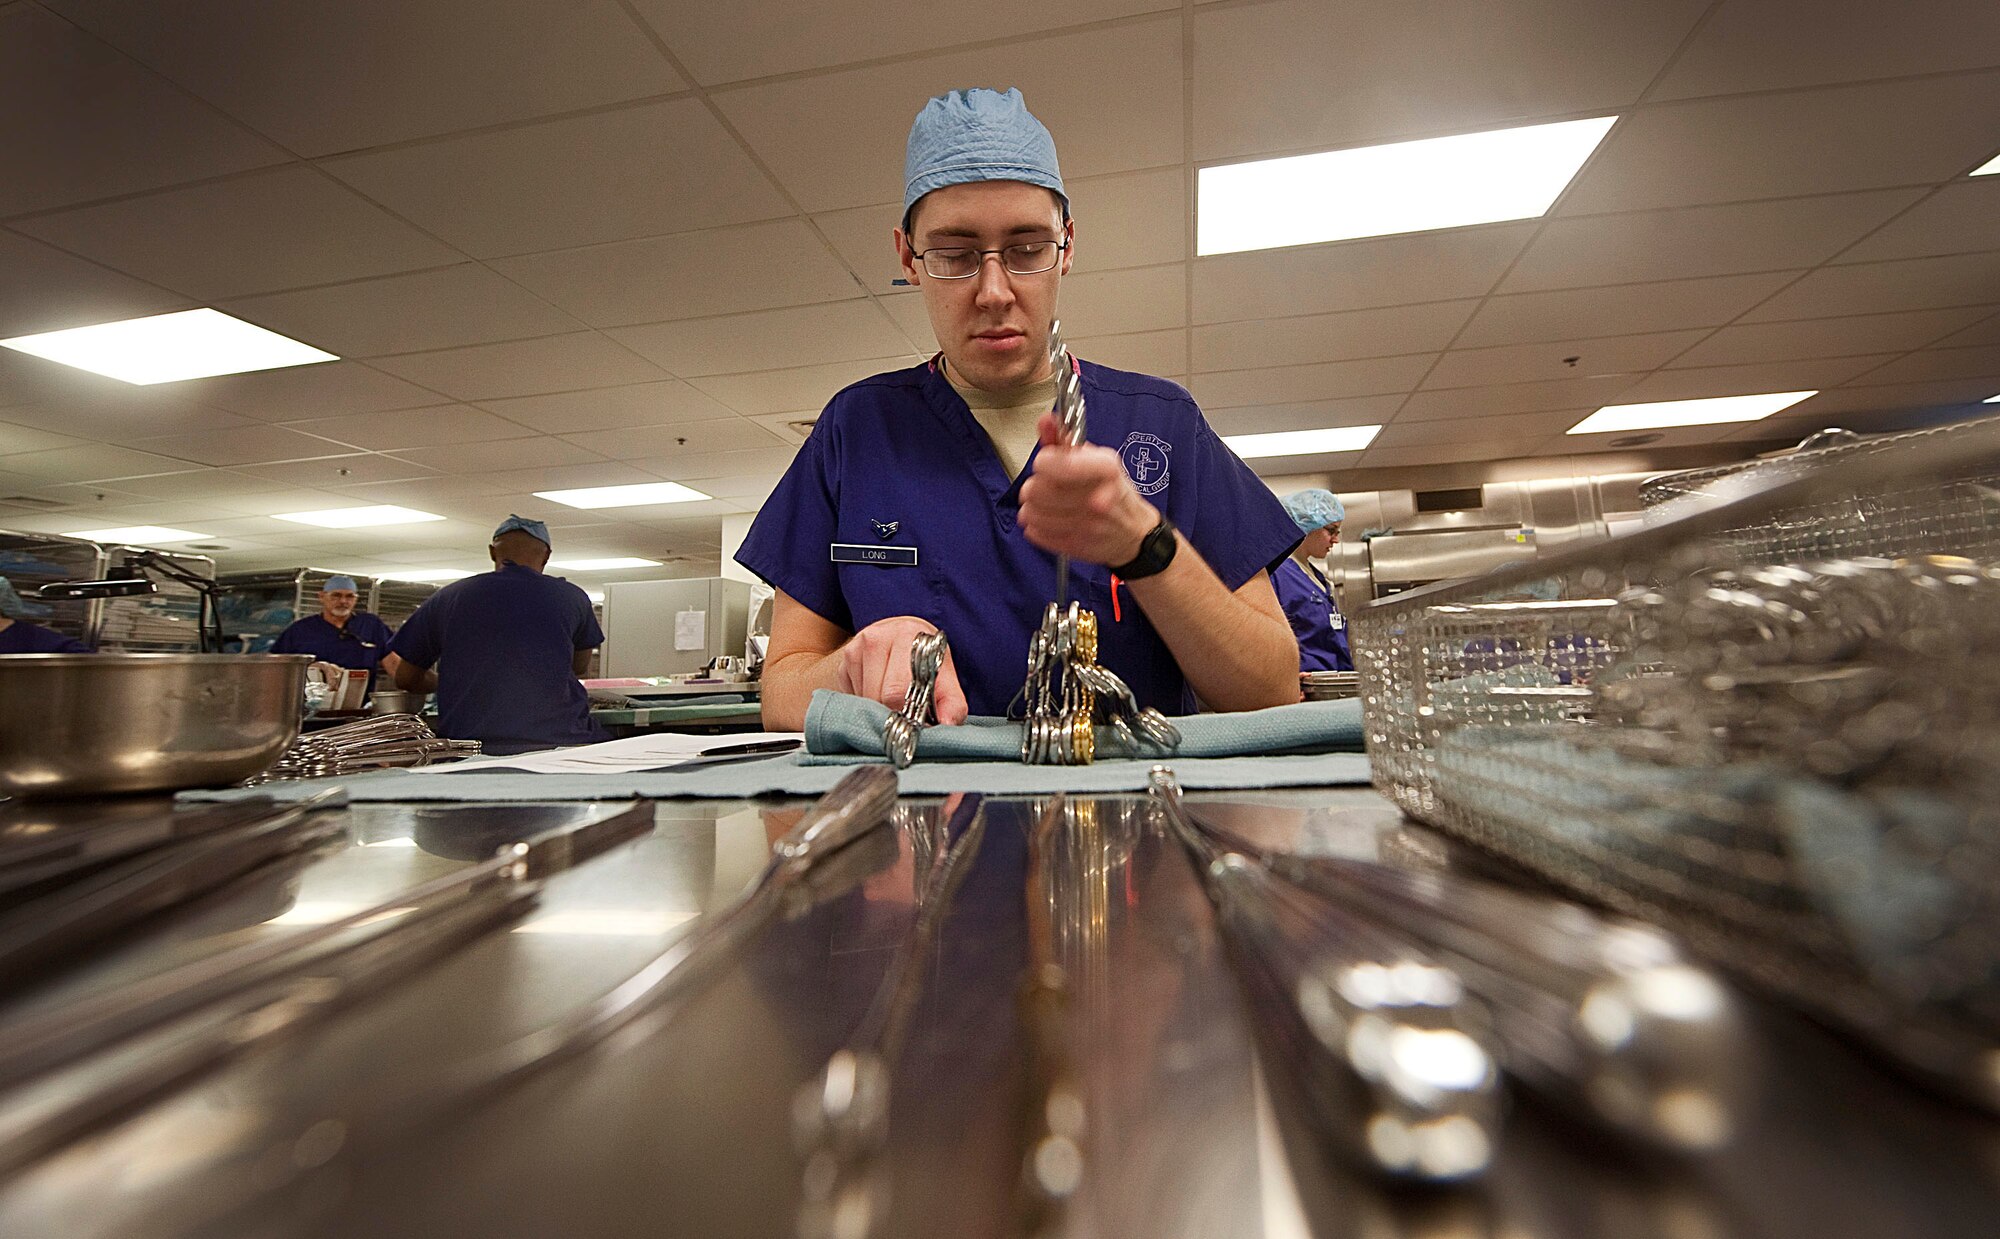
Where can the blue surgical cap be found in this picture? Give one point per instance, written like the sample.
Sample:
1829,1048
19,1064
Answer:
339,582
1314,509
534,529
978,135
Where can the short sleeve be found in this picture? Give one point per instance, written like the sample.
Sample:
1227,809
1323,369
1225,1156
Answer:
1239,526
588,635
285,644
1307,613
788,542
417,642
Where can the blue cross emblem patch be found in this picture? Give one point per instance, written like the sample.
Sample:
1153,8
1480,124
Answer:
1145,458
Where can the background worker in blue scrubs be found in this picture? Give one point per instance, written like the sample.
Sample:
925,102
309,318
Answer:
1303,591
508,646
341,633
937,497
18,636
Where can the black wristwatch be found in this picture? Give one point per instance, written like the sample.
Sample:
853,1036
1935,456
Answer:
1156,551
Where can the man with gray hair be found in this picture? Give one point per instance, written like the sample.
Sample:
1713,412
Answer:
342,633
507,647
939,497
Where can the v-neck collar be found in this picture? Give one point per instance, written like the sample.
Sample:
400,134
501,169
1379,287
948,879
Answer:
981,456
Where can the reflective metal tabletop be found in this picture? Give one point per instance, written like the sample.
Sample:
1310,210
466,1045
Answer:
687,1123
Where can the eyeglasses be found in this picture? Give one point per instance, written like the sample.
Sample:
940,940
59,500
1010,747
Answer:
1027,258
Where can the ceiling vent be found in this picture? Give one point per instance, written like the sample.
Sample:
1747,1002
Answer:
32,501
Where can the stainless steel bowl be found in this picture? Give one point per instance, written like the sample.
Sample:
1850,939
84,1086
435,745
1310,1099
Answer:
387,700
93,724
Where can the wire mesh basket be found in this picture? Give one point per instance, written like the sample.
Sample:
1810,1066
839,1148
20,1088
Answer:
1772,725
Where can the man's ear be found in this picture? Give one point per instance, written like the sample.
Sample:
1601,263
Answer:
1069,251
907,258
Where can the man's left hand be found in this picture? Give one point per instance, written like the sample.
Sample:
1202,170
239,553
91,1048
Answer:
1079,502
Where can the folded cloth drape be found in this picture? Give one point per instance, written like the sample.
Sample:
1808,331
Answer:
845,728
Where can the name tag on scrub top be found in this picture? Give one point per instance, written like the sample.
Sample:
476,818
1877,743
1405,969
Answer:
880,556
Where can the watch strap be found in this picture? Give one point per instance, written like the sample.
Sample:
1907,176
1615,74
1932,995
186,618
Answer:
1156,551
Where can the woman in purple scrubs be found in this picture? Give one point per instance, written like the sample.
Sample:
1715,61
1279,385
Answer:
937,498
1303,591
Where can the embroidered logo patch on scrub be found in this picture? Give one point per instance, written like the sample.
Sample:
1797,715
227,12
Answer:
1145,458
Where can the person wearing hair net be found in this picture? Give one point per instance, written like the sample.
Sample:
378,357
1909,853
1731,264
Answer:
18,636
1303,591
341,633
503,650
938,497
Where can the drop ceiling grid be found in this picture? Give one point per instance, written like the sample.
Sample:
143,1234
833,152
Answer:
399,255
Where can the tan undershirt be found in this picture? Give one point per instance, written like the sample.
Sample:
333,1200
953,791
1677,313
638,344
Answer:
1009,418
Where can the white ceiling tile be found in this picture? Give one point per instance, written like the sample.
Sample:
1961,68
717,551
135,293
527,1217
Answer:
1296,384
581,180
691,275
801,335
1135,219
1703,382
789,38
863,240
1509,398
728,434
255,233
1101,303
1163,353
1351,275
44,289
1697,241
300,392
1330,337
1746,343
1536,363
375,71
1519,429
1935,364
331,471
787,426
122,130
1769,44
539,451
1960,218
446,308
808,387
754,487
566,477
1986,331
1586,313
907,311
15,439
241,446
1301,74
1103,121
1917,132
459,493
112,420
1448,451
428,427
90,463
692,469
1843,404
1260,419
524,367
603,408
207,485
1882,287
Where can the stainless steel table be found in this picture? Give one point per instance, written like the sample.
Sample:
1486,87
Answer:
685,1129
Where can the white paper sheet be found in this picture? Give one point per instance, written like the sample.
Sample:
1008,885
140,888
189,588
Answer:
655,751
690,630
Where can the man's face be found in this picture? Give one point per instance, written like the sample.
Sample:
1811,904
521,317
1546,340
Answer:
993,327
337,603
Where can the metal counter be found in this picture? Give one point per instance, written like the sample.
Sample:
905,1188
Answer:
685,1126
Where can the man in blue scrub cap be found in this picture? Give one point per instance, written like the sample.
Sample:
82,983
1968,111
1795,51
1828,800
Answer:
938,497
508,646
1308,600
341,633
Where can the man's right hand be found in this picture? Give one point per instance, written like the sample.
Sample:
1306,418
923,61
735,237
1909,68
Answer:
875,663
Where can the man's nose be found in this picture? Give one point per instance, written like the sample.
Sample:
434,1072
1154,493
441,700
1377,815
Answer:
996,287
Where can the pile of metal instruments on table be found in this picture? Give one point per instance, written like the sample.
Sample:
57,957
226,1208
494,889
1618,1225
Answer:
1329,685
366,744
1771,725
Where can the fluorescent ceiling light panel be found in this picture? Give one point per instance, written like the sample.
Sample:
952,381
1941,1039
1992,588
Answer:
140,535
1993,399
1302,442
1990,168
360,518
165,348
1619,417
424,574
1374,191
604,565
623,496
